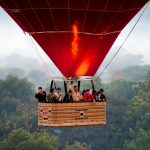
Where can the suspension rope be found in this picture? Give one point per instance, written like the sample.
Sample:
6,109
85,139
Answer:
126,15
86,33
69,26
52,16
123,42
42,60
37,17
116,14
36,50
100,16
24,17
33,44
68,15
85,14
113,18
76,9
111,21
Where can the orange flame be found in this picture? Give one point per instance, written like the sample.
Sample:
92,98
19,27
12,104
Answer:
74,44
82,68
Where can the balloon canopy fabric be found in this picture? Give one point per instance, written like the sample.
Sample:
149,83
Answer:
75,34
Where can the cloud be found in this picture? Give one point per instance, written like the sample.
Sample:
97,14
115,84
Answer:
126,60
122,60
15,60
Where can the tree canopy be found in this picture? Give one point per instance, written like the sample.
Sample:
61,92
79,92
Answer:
127,128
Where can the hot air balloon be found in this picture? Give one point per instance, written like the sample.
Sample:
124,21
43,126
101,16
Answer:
76,35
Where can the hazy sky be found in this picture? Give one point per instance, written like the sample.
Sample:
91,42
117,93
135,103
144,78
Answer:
14,41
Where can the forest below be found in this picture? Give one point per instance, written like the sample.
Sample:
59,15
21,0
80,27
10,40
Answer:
127,128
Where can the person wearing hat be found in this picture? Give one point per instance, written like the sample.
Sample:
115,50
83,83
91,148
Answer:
58,95
51,96
102,95
41,95
68,97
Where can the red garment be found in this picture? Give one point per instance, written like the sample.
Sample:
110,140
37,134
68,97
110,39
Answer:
88,97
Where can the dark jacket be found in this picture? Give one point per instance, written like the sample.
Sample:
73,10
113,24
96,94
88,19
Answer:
67,99
41,97
102,97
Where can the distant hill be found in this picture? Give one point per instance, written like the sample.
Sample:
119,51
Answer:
131,73
136,73
41,78
38,77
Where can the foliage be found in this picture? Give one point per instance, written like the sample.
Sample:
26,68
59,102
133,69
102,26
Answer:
135,73
22,140
137,120
121,88
17,106
134,130
127,128
77,146
20,89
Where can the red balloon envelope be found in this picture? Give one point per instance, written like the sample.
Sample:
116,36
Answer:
75,34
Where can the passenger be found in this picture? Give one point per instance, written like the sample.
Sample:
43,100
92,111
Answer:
41,95
68,97
83,93
102,96
58,95
88,96
94,94
75,93
51,96
98,94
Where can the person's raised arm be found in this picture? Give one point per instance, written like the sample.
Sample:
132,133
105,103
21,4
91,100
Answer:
71,86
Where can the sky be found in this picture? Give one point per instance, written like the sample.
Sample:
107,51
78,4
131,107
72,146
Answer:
139,41
13,41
